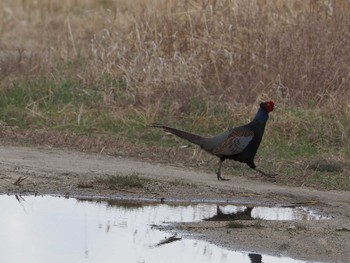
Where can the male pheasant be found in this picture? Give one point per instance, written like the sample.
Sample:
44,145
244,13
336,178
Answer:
239,143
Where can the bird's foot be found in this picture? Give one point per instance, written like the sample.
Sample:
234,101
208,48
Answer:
218,174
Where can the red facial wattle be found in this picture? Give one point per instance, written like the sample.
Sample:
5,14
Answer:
270,105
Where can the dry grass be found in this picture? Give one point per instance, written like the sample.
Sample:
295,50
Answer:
123,181
112,67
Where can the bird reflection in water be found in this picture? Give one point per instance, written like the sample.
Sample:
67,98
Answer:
255,258
246,214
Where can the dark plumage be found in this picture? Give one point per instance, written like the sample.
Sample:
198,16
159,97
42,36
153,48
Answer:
239,144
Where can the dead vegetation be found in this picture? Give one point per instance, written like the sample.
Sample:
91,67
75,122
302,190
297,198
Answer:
103,70
123,181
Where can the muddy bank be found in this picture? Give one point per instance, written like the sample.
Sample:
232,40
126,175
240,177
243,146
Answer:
52,171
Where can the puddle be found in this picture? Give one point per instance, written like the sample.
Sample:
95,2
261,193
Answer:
230,212
53,229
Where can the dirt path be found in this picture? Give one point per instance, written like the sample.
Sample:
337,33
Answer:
63,172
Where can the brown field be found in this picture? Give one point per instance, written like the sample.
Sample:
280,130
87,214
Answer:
101,71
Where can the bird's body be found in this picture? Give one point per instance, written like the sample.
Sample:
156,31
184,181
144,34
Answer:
239,143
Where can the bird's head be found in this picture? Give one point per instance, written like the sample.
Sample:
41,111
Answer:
268,106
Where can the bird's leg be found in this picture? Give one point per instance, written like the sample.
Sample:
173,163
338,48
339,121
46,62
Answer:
265,174
218,172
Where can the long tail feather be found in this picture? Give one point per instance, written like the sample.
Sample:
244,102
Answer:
196,139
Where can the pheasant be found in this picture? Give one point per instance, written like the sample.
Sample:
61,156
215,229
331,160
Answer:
239,143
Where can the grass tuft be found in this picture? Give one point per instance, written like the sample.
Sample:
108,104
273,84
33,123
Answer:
123,181
326,166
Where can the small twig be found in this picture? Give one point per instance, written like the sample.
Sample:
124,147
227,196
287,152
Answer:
168,240
71,36
19,180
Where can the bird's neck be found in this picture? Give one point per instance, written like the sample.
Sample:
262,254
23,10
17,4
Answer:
261,115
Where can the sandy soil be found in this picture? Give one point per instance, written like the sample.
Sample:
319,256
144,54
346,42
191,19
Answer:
63,172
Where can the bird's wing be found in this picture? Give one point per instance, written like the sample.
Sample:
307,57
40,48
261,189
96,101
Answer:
237,140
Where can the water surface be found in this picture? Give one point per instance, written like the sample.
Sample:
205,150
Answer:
53,229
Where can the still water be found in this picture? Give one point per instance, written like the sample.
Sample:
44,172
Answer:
54,229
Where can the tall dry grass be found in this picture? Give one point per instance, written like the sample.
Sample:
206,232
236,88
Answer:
204,63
